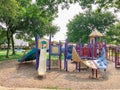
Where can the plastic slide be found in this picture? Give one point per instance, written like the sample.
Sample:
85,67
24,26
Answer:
100,63
88,63
42,63
31,55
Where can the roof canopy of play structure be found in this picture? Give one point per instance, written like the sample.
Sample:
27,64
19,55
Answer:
96,33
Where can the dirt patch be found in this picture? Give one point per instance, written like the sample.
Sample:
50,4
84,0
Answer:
26,76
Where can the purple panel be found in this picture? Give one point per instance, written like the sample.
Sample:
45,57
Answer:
66,53
37,51
92,50
49,53
80,52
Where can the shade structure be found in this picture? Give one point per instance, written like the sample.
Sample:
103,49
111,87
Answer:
96,33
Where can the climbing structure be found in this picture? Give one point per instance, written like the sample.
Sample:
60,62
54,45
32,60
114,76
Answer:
55,51
93,49
95,65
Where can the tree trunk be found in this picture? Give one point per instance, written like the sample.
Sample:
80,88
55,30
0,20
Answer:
8,44
13,47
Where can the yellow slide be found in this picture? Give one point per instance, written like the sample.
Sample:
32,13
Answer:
42,63
76,58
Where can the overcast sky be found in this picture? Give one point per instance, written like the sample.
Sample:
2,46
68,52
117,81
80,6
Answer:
67,14
63,17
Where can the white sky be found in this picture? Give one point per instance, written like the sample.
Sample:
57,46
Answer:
63,18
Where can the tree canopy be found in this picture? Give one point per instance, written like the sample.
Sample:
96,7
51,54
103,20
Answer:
84,23
113,34
100,4
27,19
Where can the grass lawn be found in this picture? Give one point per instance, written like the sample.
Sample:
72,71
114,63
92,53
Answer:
19,55
11,57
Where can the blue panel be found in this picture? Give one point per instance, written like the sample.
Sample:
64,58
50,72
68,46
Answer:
31,55
69,52
44,42
101,62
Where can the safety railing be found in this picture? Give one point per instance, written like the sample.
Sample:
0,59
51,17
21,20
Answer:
113,54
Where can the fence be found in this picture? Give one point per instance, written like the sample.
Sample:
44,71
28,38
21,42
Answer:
113,54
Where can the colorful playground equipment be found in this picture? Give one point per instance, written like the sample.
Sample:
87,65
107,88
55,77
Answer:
90,51
93,48
92,55
29,56
85,56
67,54
113,55
41,63
100,63
56,51
38,53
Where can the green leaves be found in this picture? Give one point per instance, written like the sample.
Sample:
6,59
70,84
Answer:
101,4
2,36
113,34
8,10
82,25
37,18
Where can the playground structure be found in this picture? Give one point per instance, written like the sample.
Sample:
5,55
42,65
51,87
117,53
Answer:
90,55
70,52
56,51
113,54
38,53
93,63
90,51
41,46
93,48
100,63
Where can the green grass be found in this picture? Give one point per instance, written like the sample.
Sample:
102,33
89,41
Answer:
55,57
11,57
19,55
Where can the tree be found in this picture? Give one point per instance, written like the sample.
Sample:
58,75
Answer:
8,9
113,34
34,21
21,15
38,18
101,4
83,24
2,36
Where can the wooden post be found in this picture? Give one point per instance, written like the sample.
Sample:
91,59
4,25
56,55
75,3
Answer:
79,66
96,73
92,72
116,58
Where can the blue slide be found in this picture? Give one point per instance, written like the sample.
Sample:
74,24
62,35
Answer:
31,55
101,62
